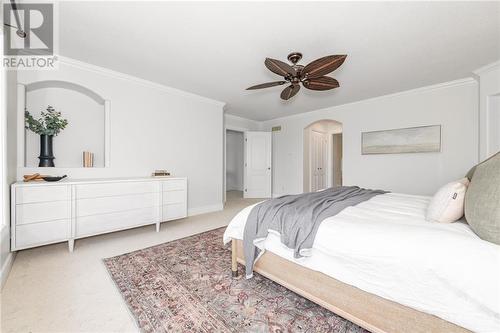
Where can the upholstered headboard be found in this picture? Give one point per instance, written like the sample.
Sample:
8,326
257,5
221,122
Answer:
482,200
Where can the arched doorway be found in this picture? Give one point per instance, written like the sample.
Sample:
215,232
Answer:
322,155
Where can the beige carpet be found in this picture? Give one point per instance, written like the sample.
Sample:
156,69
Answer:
52,290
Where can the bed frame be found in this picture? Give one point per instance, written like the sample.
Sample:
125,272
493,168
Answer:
367,310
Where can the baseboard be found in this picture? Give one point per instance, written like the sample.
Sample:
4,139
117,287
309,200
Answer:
6,267
205,209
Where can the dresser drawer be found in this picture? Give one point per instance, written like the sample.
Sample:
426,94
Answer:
105,205
46,213
114,189
31,194
42,211
97,224
171,197
30,235
173,211
174,184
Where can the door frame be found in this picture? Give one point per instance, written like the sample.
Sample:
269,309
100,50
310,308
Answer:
235,129
225,156
331,168
329,127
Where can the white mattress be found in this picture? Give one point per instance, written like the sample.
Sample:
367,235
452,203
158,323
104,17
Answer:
386,247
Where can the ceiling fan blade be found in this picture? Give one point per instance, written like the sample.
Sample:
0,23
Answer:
321,83
323,66
290,91
266,85
279,67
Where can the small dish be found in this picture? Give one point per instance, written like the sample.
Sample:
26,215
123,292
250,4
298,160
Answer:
53,179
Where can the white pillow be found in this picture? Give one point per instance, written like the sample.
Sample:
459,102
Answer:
447,205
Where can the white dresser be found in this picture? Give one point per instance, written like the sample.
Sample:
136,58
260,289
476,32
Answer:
45,213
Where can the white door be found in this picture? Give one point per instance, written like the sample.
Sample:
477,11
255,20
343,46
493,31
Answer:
318,160
257,165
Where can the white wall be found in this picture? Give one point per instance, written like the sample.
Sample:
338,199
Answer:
9,157
84,132
151,127
234,161
489,115
493,124
454,105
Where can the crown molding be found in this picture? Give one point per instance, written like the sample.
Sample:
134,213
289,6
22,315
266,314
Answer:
487,68
122,76
433,87
255,124
235,117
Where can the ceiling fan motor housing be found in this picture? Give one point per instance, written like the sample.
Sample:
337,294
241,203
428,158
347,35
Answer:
294,57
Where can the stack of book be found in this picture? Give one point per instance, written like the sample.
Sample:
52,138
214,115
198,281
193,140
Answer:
161,173
88,159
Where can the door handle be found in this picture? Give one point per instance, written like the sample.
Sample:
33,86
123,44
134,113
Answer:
269,168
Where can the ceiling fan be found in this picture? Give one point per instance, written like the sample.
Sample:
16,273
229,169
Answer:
312,76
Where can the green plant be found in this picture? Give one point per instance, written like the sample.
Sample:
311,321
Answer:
50,122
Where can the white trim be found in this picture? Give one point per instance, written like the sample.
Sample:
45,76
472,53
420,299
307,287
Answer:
6,267
257,124
205,209
238,118
433,87
127,77
226,128
487,68
237,129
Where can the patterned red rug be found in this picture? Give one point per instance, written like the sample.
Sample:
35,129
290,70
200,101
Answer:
186,286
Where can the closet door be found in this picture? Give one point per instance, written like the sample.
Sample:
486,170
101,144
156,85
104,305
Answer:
318,160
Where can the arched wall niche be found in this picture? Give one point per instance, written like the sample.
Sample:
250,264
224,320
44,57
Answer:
330,131
65,85
88,115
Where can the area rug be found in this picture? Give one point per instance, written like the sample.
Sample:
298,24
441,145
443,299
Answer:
186,286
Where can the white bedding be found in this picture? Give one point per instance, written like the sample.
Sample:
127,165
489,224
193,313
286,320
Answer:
386,247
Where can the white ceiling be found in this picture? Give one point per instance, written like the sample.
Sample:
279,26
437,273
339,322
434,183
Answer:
217,49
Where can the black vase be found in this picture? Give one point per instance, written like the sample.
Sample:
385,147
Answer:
46,156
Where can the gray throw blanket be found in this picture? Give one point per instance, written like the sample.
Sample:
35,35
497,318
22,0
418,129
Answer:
297,218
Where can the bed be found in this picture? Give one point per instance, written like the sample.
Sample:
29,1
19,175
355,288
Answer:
381,265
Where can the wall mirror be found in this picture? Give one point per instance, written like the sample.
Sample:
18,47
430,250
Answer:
87,130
